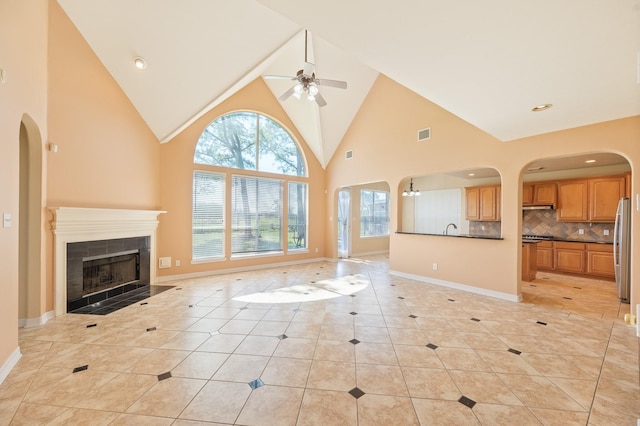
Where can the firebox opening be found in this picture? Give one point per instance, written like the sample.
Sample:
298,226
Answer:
101,273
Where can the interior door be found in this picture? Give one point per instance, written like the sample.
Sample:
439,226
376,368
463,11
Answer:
344,223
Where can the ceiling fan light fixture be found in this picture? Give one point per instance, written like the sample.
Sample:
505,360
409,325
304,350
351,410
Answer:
298,89
311,98
313,89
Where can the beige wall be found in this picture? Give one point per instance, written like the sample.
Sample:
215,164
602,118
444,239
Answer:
107,156
23,55
177,167
383,140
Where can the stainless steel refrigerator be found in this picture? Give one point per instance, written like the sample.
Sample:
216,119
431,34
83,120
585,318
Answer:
622,249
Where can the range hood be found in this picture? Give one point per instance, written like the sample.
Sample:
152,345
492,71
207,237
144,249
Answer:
542,207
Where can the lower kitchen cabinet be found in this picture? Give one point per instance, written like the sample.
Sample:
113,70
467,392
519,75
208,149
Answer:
570,257
590,259
529,264
600,260
544,255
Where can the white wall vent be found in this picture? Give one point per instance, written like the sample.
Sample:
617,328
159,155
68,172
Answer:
348,155
424,134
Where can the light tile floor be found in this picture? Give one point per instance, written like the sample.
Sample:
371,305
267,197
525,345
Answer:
398,352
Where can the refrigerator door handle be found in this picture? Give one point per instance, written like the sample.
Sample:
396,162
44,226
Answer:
617,246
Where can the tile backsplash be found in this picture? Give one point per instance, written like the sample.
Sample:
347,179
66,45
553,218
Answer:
544,222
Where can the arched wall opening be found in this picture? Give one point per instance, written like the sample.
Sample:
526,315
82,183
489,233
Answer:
31,288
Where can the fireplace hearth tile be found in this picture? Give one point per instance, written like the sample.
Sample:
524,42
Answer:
112,304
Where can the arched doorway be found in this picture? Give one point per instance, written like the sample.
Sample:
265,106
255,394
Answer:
30,270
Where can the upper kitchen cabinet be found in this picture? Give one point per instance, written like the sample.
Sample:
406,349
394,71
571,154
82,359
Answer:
539,194
483,203
573,201
590,200
604,194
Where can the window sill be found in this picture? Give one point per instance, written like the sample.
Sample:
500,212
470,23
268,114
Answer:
373,236
239,256
208,260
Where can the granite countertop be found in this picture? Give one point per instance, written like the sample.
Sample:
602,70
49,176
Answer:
476,237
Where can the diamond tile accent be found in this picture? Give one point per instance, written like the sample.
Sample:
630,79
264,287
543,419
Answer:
353,313
152,329
475,319
178,288
532,285
164,376
451,300
413,316
92,325
567,298
579,288
283,336
467,401
356,392
191,306
81,368
513,351
432,346
255,384
354,341
297,310
144,303
400,297
541,323
352,295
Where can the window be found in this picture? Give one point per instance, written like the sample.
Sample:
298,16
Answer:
208,215
249,141
252,145
256,215
297,215
374,213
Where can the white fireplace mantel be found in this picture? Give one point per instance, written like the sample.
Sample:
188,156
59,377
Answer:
77,224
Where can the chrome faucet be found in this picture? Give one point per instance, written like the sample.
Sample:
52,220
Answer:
446,231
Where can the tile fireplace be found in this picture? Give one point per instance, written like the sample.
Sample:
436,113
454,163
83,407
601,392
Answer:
100,253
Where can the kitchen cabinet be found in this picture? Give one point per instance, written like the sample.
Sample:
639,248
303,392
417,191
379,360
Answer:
539,194
529,261
573,201
570,257
604,194
600,260
544,255
483,203
590,200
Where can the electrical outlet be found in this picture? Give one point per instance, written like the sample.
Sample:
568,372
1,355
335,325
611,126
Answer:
177,263
606,232
581,231
435,266
164,262
6,220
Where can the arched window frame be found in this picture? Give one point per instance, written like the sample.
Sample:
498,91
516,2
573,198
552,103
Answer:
245,233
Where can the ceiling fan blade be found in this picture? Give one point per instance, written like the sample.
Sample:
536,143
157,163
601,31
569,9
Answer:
278,77
286,94
320,100
332,83
308,68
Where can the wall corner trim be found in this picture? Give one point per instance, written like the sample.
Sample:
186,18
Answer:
35,322
463,287
8,365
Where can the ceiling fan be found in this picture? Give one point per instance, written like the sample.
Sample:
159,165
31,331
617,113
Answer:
307,83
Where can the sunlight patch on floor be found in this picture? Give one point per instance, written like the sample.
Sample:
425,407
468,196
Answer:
320,290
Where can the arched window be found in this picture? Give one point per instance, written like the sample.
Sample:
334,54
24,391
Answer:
250,143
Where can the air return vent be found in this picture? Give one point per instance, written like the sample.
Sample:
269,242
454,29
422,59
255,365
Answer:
424,134
348,155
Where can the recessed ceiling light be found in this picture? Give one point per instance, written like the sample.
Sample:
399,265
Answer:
139,63
472,174
541,107
590,161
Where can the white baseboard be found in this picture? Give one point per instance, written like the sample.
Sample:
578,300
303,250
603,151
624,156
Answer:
34,322
8,365
457,286
242,269
369,253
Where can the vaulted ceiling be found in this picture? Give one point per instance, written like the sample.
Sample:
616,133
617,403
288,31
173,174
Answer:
487,62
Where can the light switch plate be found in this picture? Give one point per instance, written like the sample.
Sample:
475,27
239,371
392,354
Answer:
6,220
